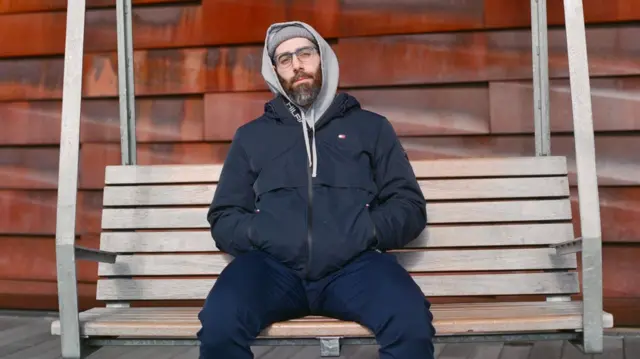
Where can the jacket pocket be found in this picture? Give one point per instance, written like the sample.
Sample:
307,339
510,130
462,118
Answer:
373,242
251,232
279,226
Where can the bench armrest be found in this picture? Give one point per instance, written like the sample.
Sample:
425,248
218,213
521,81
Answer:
95,255
568,247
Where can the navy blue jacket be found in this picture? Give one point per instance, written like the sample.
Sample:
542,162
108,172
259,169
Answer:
365,195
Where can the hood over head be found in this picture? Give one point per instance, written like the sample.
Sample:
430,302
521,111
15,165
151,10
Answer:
330,78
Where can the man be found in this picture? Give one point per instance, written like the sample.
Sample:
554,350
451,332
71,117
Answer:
310,197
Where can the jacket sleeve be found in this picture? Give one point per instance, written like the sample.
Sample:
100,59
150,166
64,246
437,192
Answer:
233,204
399,213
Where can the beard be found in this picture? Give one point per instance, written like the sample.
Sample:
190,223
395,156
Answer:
303,94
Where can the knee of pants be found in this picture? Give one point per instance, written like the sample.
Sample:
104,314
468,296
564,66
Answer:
408,324
223,321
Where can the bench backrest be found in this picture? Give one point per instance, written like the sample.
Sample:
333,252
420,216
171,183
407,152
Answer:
491,221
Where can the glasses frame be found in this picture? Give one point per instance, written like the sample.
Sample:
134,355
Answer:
315,51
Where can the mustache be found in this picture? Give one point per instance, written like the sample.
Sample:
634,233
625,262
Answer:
302,76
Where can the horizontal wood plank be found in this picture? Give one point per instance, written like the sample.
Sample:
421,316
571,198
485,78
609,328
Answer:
32,258
28,168
437,213
33,212
450,189
90,205
34,122
448,319
444,168
412,112
619,271
45,30
157,120
42,295
371,17
375,17
461,57
614,100
619,208
413,261
617,157
18,6
509,13
619,211
155,27
431,237
94,157
222,15
237,68
431,286
31,78
158,72
469,57
30,212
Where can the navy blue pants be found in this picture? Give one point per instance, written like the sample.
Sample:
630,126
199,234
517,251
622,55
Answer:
254,291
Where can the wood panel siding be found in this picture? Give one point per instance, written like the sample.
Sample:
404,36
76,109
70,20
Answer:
453,77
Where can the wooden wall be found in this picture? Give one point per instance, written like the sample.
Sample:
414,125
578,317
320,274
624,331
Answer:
454,77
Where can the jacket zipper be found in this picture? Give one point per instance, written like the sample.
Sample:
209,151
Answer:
309,218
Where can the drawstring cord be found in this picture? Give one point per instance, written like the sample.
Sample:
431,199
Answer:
312,152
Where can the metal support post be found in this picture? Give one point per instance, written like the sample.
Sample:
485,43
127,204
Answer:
568,247
588,197
68,181
540,52
95,255
330,347
126,87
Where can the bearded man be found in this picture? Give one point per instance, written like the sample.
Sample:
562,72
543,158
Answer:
311,196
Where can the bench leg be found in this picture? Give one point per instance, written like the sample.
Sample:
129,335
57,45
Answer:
587,178
84,351
330,347
70,340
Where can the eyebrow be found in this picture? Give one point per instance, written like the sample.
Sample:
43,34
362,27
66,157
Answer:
291,52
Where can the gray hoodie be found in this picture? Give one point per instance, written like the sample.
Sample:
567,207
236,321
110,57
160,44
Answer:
330,75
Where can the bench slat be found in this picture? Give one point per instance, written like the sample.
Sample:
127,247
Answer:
431,237
413,261
458,189
448,319
454,212
441,168
431,285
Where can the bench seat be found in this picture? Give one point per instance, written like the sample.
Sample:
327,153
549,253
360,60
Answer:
458,318
500,229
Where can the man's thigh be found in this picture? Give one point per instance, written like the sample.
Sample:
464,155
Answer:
374,290
255,291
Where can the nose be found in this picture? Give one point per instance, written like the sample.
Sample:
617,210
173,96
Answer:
296,63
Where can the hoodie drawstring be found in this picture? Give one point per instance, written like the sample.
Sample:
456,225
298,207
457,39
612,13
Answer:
315,154
312,152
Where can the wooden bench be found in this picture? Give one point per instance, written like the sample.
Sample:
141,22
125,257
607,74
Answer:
499,233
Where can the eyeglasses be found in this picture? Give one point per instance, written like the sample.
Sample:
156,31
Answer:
304,54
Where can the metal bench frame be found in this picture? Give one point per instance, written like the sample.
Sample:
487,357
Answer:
590,340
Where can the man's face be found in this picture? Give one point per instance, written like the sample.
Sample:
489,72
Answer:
297,63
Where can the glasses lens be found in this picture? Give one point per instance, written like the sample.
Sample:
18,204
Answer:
284,60
303,54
